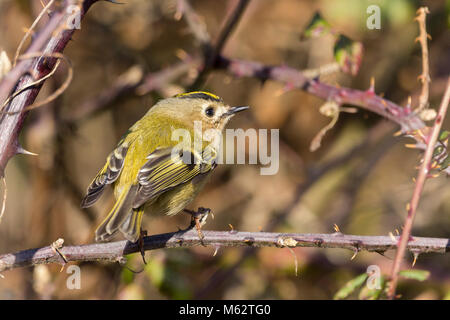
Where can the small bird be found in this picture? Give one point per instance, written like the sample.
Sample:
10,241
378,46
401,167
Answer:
151,171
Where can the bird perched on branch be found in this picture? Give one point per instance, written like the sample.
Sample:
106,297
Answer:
151,170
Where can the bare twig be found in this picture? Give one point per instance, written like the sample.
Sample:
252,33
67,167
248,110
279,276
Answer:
213,53
326,69
194,21
420,182
133,81
30,30
425,76
293,78
229,26
114,251
160,79
52,96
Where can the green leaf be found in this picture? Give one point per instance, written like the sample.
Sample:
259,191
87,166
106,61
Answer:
317,27
372,294
445,163
350,287
348,54
444,135
420,275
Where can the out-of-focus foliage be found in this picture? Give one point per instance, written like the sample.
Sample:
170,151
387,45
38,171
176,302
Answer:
375,287
364,194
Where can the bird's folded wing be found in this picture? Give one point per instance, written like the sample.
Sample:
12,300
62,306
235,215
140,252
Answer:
168,168
107,175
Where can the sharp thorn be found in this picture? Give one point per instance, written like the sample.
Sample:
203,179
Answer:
408,104
372,84
415,255
354,254
21,150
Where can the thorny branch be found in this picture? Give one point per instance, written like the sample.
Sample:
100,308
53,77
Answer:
115,251
425,76
195,22
296,79
430,142
420,182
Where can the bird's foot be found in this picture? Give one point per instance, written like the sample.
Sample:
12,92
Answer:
141,244
198,220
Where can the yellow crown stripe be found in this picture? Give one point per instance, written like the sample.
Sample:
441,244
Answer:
198,94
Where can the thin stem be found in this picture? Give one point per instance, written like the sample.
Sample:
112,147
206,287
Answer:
194,22
230,24
425,76
420,182
212,54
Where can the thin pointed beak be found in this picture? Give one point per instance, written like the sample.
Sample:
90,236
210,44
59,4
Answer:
234,110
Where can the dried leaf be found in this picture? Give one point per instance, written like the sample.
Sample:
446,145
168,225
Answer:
329,109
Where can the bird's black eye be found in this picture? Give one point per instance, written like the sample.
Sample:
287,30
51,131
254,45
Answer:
209,111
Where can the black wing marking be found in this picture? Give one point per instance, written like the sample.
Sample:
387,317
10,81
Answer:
107,175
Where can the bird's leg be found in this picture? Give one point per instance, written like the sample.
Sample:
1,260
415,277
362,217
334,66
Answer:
142,234
198,220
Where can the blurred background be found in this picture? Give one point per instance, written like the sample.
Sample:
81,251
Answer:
360,179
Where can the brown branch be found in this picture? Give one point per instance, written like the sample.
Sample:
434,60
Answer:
420,182
229,26
115,251
194,22
212,53
293,78
425,76
30,30
133,81
160,79
52,39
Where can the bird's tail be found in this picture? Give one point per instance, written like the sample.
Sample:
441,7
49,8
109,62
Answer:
122,217
131,228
